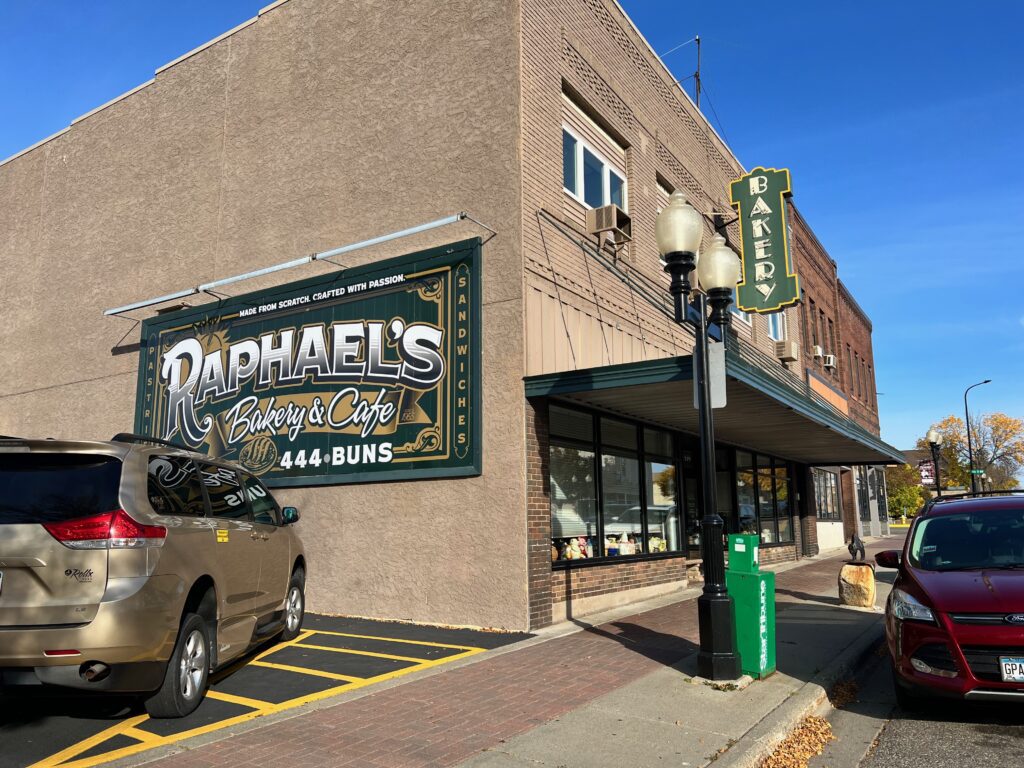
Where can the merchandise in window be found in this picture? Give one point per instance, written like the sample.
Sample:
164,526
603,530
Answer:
663,529
573,503
601,504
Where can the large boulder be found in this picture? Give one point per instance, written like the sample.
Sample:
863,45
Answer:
857,585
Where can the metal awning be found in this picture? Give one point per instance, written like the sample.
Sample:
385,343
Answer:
766,410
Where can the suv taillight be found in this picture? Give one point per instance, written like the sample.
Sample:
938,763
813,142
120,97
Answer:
111,530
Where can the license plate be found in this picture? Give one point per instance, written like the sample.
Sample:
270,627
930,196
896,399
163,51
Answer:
1012,668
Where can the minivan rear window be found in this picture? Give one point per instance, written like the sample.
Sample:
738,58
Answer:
50,487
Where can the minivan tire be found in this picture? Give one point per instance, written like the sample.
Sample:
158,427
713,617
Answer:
294,605
188,672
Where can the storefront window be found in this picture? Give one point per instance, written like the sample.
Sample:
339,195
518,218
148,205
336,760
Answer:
573,503
611,494
573,472
692,505
784,521
826,495
663,528
745,492
620,486
766,501
863,507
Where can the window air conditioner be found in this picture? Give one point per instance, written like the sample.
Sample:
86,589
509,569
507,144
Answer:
610,218
829,361
818,351
786,351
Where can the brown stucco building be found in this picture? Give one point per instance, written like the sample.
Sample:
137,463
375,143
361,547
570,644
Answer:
319,124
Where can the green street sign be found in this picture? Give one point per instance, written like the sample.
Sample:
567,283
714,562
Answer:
768,282
977,471
363,374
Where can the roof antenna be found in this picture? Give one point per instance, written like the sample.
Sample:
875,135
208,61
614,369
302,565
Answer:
696,76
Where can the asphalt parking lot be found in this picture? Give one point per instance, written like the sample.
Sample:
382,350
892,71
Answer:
331,655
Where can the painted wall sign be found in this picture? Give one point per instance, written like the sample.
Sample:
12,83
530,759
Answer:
371,373
768,283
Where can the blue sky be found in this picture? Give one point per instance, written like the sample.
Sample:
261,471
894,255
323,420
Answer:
902,125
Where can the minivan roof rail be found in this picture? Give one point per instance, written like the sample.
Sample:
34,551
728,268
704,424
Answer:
129,437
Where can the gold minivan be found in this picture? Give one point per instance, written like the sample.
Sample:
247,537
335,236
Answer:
138,566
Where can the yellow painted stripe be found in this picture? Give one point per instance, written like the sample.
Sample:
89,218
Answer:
86,744
308,671
244,701
358,653
396,640
83,746
141,735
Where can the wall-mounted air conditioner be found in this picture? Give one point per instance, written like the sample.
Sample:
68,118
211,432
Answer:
610,218
786,350
818,352
829,361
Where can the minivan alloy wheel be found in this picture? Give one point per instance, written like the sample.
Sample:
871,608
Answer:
293,608
193,664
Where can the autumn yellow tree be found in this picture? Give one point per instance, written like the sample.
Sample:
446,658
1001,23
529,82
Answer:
997,441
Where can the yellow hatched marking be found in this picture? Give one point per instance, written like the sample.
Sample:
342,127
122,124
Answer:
65,758
86,744
358,653
244,701
141,735
396,640
306,671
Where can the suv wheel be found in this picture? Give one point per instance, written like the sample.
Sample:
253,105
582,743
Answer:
188,672
294,605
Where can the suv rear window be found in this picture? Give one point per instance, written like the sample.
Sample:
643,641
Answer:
50,487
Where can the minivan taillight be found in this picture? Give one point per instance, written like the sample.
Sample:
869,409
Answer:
111,530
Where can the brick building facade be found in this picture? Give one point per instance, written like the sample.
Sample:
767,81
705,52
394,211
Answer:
268,143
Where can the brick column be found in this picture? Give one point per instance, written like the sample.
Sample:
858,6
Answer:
849,499
808,511
538,512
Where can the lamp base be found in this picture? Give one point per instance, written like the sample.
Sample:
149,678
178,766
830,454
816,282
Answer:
717,659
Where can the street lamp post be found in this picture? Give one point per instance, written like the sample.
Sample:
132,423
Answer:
935,442
678,230
967,418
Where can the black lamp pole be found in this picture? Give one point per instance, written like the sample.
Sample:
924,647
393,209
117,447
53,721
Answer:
967,419
935,463
717,659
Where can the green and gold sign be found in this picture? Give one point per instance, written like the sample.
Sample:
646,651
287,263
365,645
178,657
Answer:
769,282
364,374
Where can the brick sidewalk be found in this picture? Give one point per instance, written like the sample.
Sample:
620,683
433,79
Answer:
445,719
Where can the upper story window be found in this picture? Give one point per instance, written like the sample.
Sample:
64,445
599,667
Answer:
588,176
739,314
777,326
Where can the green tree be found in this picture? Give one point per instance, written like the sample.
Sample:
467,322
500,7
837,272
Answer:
904,491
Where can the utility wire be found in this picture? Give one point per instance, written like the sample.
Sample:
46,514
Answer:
673,50
715,113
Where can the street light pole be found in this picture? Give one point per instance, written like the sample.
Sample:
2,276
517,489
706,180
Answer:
967,419
934,442
679,229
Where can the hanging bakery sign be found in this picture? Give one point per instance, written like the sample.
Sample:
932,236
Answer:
768,282
364,374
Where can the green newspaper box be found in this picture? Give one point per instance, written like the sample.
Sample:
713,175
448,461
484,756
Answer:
753,595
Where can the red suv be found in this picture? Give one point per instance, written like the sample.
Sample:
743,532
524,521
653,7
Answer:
954,620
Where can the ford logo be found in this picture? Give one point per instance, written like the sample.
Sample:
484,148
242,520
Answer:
1015,618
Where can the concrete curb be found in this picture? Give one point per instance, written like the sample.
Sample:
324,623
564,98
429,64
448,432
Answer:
811,698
